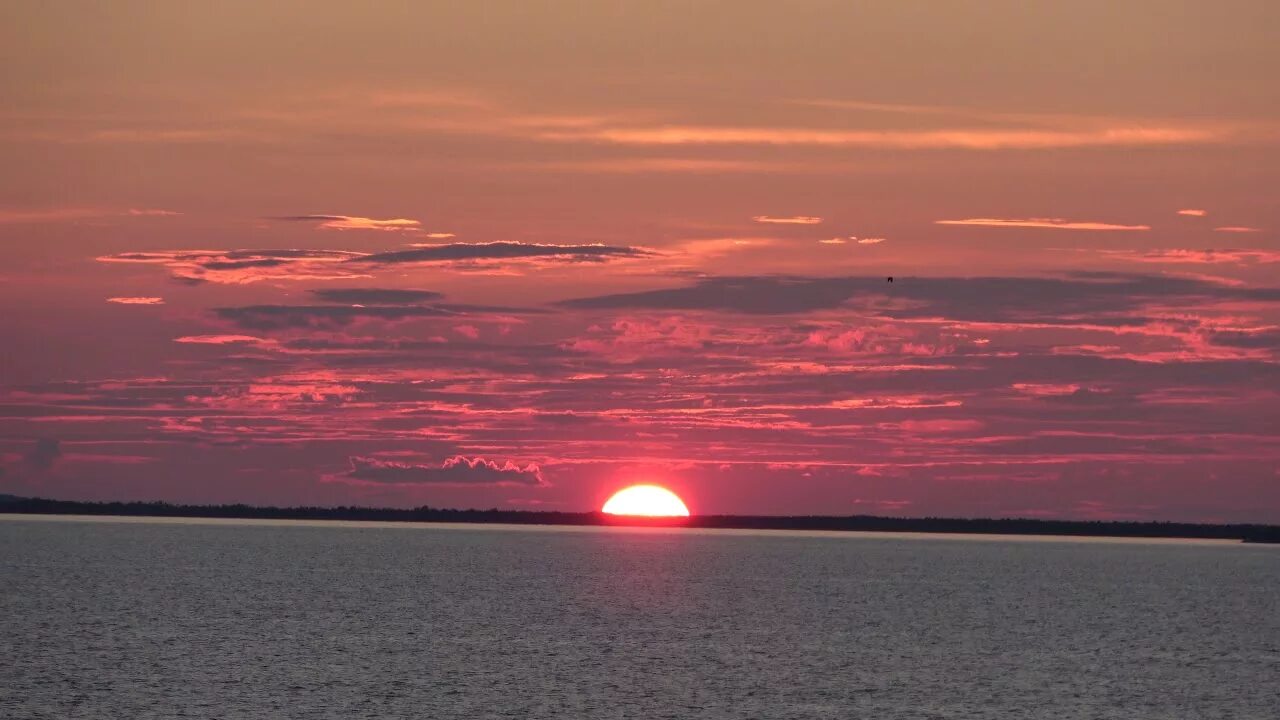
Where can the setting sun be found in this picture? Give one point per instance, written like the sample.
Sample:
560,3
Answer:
646,500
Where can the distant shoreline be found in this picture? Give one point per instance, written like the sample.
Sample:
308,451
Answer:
1246,532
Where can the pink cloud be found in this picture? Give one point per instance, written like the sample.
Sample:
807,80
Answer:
1199,257
873,339
238,267
961,138
639,336
243,266
855,238
136,300
1237,229
1054,223
715,247
223,340
787,220
905,401
1193,213
300,389
1045,389
354,222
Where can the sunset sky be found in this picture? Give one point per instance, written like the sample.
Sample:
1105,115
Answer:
521,254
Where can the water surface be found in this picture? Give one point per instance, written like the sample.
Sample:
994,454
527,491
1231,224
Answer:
232,619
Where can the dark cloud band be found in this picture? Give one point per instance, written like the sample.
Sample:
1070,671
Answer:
1097,297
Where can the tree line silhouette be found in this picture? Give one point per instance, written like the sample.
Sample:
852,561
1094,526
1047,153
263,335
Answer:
865,523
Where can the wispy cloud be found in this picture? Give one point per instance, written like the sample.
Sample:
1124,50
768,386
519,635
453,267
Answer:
501,251
238,267
854,238
354,222
787,219
1193,213
1052,223
1199,257
457,470
707,248
1237,229
136,300
223,340
959,138
17,216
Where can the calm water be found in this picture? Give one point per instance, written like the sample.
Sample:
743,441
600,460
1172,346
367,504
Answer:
147,620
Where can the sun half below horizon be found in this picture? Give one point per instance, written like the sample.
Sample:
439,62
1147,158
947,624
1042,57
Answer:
646,501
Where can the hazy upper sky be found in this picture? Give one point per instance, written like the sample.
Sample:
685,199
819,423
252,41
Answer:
519,254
